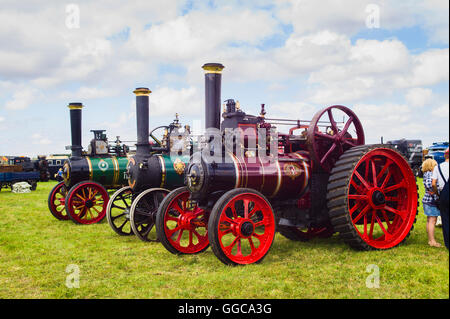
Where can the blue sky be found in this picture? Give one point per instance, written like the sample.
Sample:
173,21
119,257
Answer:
295,56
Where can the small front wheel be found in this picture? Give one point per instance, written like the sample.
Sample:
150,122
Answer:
143,213
182,226
241,227
118,211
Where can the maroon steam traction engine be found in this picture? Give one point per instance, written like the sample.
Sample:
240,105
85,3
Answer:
322,180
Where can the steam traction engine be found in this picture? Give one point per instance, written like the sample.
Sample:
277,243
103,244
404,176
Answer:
83,195
156,168
320,179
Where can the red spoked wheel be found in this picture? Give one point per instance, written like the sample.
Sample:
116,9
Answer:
327,139
56,201
241,227
372,197
298,234
182,226
87,203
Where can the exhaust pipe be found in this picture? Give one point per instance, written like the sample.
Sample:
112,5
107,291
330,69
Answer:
142,121
213,79
75,127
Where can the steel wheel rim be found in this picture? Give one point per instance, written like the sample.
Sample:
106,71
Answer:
183,220
58,202
118,211
325,149
81,199
246,233
382,198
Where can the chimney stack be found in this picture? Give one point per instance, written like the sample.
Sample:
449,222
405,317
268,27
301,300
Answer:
213,79
142,120
75,126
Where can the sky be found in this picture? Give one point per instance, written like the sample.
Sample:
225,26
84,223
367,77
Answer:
388,61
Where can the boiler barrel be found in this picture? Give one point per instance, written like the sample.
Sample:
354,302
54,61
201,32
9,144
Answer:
286,178
111,172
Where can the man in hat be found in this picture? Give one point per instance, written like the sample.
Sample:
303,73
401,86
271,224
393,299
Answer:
440,181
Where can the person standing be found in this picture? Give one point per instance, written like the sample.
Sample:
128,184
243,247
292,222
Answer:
429,200
440,186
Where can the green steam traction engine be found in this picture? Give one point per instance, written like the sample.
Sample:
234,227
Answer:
88,176
157,168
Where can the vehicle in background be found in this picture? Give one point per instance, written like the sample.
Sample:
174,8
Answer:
413,151
436,151
16,170
55,162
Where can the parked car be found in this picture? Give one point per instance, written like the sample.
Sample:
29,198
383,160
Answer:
436,151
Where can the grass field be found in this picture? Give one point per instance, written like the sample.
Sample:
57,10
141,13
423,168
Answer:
35,250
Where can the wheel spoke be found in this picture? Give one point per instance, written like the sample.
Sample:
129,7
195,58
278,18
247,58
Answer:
385,167
361,214
115,217
332,121
327,153
358,197
347,125
402,214
252,246
325,136
387,236
386,179
363,181
394,187
374,174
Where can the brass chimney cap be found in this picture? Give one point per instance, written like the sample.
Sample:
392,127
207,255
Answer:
142,92
75,106
213,68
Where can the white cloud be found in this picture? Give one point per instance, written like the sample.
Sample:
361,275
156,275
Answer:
40,140
86,93
442,111
23,98
165,101
418,97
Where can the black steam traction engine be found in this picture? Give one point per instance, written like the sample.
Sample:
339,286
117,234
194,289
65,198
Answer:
83,195
321,180
156,168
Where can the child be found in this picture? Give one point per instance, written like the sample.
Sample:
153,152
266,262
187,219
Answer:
429,200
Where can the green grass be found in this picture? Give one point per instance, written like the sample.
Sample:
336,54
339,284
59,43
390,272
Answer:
35,250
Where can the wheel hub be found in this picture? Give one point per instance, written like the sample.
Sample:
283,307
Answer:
89,203
247,229
378,198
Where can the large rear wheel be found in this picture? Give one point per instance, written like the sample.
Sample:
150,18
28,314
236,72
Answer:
372,197
86,203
